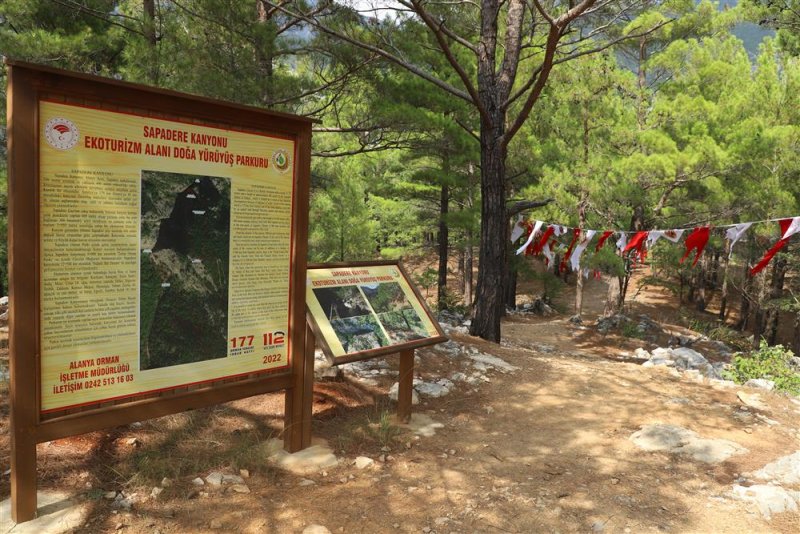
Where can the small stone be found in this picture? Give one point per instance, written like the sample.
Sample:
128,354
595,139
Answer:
306,482
426,529
119,526
136,426
244,473
215,523
232,479
215,479
362,462
134,442
156,492
614,480
598,526
198,482
239,488
351,477
316,529
386,449
165,482
760,383
110,495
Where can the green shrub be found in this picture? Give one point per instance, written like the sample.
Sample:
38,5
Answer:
631,329
767,362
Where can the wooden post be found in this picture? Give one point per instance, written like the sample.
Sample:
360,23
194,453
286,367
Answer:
24,304
405,385
299,399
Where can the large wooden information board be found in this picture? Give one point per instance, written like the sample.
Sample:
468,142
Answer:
157,257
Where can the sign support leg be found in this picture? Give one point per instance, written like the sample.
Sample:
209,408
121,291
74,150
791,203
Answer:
299,399
23,476
405,385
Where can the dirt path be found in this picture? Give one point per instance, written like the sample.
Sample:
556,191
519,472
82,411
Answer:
544,448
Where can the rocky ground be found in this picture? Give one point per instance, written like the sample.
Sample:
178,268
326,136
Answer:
559,429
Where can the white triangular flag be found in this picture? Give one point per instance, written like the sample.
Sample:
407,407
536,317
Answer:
548,254
559,230
536,228
734,233
655,235
793,228
518,230
575,259
622,241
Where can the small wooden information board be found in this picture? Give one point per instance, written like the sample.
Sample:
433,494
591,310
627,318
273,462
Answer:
157,250
362,310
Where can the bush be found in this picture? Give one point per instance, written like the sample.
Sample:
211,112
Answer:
631,329
772,363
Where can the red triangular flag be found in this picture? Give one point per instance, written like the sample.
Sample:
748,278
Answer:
606,235
576,232
785,223
697,240
543,241
637,243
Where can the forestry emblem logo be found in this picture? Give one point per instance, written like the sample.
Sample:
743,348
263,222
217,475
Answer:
61,133
281,160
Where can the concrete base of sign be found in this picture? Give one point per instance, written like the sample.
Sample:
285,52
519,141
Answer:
310,460
57,513
421,425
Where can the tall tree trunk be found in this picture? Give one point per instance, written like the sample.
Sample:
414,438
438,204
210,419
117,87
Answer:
758,321
468,270
612,296
779,268
492,255
746,305
796,340
700,297
264,51
581,225
723,299
149,30
444,203
510,287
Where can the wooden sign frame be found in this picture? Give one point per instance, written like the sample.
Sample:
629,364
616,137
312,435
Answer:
30,84
392,349
405,350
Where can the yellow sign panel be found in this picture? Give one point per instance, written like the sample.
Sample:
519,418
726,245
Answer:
165,253
366,308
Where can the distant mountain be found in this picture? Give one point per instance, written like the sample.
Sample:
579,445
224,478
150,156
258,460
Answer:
751,34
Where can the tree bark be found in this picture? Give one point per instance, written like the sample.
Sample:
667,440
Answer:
758,322
510,287
444,203
264,51
779,268
700,296
468,270
796,340
581,225
726,260
492,254
746,306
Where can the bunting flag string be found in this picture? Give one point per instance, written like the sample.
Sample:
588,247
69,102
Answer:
542,238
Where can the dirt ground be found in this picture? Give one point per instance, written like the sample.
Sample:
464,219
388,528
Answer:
543,449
